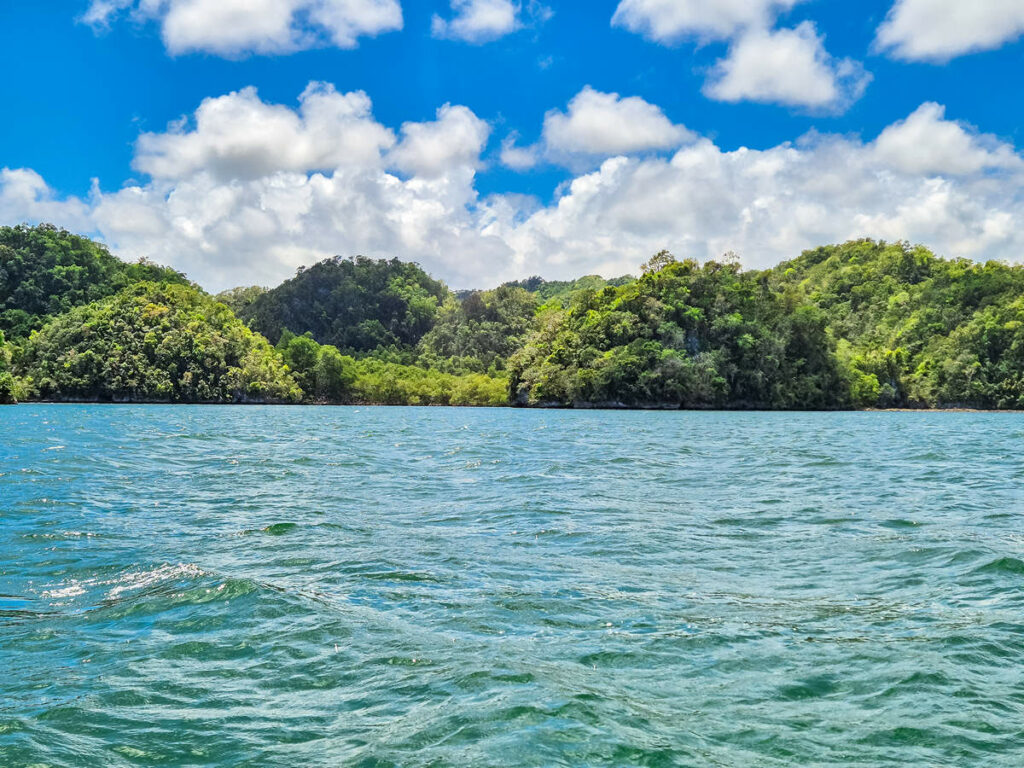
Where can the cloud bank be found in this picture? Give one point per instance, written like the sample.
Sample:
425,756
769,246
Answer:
246,191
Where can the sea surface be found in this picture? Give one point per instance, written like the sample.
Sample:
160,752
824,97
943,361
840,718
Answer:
248,586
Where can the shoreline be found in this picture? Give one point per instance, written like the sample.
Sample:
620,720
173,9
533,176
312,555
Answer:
542,407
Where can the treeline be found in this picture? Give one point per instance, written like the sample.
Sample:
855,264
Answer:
863,324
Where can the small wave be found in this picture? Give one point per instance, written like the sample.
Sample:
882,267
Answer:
1003,565
72,590
147,578
279,529
900,524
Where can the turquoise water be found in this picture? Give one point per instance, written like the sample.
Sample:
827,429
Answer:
440,587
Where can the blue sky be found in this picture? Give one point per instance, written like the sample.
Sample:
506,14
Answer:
674,90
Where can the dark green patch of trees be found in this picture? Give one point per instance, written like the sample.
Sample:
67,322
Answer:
683,335
356,305
481,331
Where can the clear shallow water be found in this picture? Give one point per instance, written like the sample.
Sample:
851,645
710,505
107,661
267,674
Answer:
439,587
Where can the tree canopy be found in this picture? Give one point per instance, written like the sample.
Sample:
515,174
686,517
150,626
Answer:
683,335
6,377
45,271
157,342
916,330
354,304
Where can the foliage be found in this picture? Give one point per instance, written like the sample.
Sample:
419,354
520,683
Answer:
559,292
355,304
862,324
683,335
155,342
45,271
7,385
916,330
482,330
387,383
324,374
328,376
240,298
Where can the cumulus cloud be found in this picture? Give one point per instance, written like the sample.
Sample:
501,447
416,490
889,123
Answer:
771,66
595,126
240,27
518,158
240,136
605,124
478,21
669,21
926,143
926,179
938,30
453,142
25,196
786,66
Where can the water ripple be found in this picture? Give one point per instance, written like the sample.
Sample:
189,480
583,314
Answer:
431,587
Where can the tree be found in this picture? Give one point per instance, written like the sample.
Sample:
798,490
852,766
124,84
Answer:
658,262
6,379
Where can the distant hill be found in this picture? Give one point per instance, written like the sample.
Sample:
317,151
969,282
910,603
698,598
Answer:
560,290
355,304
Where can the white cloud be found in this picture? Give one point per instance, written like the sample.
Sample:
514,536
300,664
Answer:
518,158
925,179
603,124
669,21
240,136
938,30
478,21
777,66
25,196
786,66
454,141
240,27
926,143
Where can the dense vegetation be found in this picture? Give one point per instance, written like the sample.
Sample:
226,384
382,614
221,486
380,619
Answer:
7,391
682,335
45,271
916,330
480,332
356,304
155,342
863,324
558,291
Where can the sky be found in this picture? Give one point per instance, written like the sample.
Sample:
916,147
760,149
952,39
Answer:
490,140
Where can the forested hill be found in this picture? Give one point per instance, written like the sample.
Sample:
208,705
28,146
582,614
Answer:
45,271
355,304
862,324
911,329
